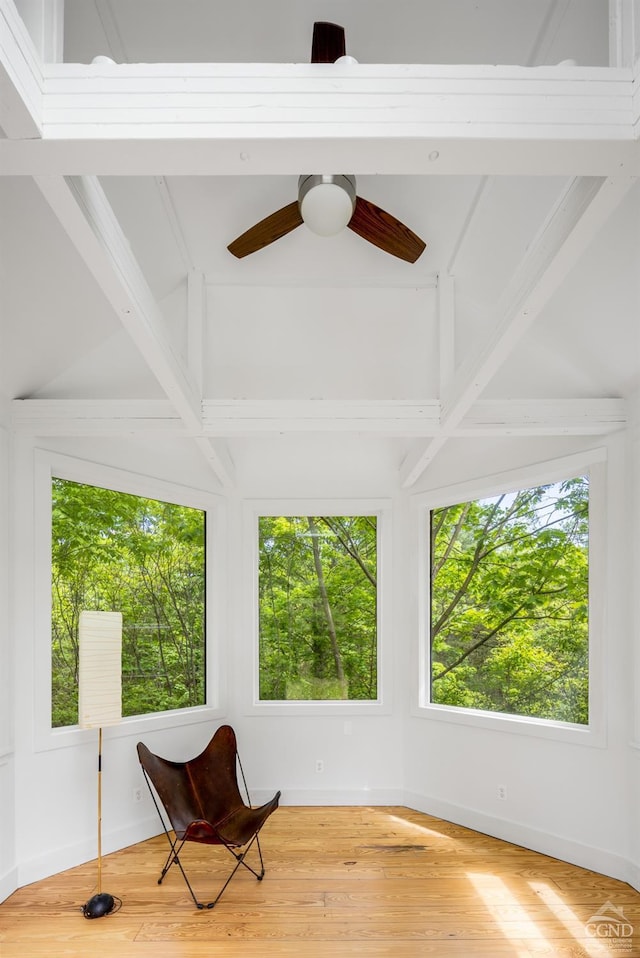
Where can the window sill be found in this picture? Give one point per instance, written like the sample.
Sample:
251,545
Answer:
136,725
337,707
591,735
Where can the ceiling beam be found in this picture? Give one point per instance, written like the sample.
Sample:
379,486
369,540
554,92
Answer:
21,82
100,417
233,119
88,219
543,417
467,153
380,418
580,212
623,15
578,215
391,418
44,20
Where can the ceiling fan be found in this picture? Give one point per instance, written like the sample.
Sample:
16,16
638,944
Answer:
328,202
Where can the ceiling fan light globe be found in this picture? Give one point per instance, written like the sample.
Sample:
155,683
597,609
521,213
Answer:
326,209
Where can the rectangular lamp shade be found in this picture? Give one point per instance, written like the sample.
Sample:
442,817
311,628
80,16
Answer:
100,669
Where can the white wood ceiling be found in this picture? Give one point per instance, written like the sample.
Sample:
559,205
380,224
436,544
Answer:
525,32
506,304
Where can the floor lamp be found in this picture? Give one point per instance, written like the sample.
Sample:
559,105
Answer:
100,705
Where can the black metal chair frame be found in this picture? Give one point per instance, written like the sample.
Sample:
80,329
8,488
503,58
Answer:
206,832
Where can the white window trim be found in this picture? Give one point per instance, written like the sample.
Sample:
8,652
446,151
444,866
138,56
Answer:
253,509
593,463
48,465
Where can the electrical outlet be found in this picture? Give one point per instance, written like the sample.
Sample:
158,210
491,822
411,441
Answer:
319,765
137,794
502,793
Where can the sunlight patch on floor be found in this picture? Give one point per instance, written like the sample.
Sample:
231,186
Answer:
493,891
422,830
558,909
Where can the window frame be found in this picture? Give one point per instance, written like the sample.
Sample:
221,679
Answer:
250,647
49,465
592,463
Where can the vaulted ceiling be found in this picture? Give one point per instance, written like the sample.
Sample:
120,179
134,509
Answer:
504,133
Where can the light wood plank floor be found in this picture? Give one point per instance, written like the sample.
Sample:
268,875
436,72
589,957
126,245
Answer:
372,882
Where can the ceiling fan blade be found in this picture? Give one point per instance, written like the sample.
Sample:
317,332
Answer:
268,230
385,231
328,42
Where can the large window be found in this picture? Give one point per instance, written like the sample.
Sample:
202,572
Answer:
114,551
509,603
318,608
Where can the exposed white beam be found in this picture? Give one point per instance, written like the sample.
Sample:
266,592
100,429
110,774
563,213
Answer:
419,459
580,213
467,153
88,219
543,417
225,119
190,101
218,457
636,96
44,20
622,14
85,214
254,417
20,77
244,418
85,417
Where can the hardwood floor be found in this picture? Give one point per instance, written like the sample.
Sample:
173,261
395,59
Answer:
372,882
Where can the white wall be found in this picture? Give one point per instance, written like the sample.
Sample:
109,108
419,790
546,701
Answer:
565,799
569,800
8,876
633,683
61,764
363,760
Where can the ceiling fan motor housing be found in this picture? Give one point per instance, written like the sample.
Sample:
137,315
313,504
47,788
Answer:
326,201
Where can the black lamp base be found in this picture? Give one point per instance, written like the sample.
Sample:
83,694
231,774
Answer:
99,906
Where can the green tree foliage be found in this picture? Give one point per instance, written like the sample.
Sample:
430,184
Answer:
509,603
317,607
112,551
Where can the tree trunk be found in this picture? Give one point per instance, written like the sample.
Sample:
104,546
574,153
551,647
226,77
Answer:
313,529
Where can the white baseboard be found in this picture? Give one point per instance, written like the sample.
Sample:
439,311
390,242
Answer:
330,796
575,853
8,884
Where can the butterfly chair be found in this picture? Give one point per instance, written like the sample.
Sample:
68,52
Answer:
203,803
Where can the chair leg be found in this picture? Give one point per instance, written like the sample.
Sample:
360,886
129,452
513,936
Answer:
259,875
173,859
241,860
